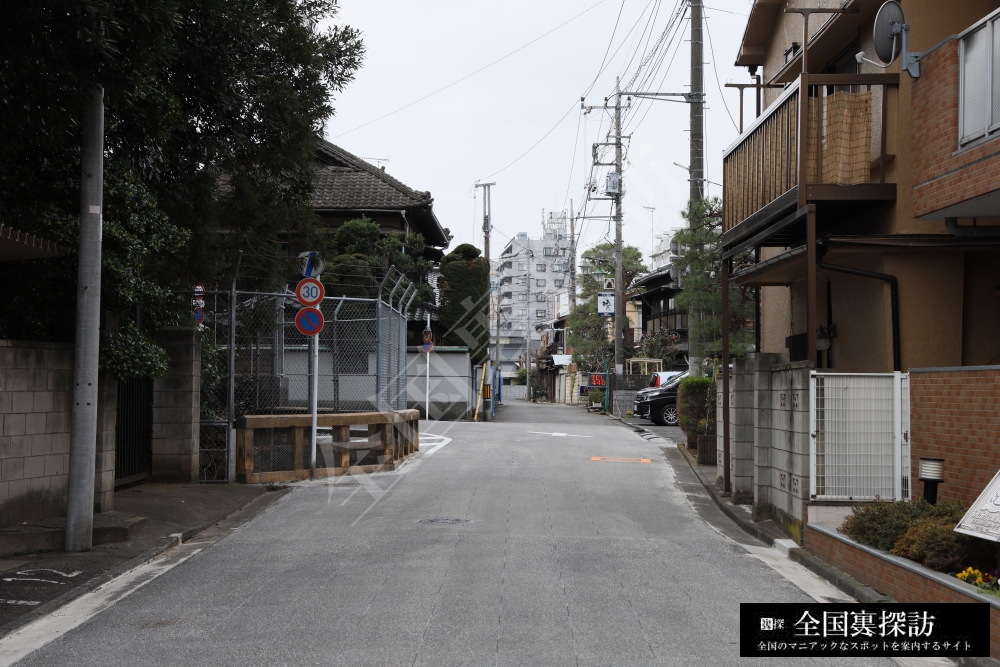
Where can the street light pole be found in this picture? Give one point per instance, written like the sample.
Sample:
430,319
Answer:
652,232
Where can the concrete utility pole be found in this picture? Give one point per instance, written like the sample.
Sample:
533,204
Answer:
696,168
619,287
487,224
572,256
83,437
487,211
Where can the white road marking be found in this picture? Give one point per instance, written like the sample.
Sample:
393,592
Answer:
37,634
561,435
436,442
68,575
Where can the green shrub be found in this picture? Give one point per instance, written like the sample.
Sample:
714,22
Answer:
596,396
692,405
935,544
881,523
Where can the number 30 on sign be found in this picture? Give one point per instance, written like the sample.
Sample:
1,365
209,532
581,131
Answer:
309,291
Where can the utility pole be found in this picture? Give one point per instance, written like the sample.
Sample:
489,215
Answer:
487,210
696,168
617,196
572,256
83,436
615,192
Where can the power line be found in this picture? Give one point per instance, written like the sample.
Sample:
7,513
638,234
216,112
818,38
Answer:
481,69
717,83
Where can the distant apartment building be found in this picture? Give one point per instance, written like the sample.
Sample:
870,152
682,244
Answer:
531,274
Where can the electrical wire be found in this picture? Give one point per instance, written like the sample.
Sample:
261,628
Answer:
649,105
481,69
718,84
603,66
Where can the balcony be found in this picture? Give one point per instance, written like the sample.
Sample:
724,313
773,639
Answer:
832,149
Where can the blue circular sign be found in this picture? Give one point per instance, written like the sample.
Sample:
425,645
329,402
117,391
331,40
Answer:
199,315
309,321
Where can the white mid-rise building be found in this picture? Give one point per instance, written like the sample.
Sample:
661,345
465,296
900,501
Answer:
531,274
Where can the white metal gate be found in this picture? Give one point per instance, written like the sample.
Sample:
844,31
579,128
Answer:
859,425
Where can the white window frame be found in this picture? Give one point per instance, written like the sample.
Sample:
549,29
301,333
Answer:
990,26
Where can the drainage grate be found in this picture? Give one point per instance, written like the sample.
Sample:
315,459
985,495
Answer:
445,520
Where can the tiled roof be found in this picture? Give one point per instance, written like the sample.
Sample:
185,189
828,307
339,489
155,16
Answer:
345,183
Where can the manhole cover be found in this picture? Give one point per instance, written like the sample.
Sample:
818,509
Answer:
445,520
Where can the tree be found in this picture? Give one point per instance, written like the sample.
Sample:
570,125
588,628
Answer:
700,266
211,113
465,302
591,336
363,255
661,344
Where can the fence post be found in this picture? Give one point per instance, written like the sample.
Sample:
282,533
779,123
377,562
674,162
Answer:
811,492
897,435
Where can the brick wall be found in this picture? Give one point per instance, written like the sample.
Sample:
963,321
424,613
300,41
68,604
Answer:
954,416
943,174
898,578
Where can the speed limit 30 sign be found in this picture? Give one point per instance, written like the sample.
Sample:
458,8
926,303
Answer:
309,291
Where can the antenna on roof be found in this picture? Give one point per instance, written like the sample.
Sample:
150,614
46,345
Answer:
379,162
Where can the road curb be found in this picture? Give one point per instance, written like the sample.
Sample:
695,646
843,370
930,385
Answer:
768,532
255,505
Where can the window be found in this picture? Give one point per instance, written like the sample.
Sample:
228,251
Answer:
522,266
522,312
522,297
539,297
557,283
540,268
540,312
540,283
548,252
979,88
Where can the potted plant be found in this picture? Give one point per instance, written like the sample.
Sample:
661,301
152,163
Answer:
692,407
596,397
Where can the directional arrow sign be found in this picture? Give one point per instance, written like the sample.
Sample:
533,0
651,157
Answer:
312,264
309,321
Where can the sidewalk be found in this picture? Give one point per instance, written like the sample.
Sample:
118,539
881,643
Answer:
37,576
766,531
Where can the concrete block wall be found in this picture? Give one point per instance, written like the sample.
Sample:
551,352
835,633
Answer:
954,416
36,399
176,408
783,472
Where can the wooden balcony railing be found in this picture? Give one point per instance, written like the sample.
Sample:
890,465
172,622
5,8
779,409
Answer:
844,127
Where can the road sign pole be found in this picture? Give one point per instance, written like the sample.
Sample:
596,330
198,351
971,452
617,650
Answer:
313,399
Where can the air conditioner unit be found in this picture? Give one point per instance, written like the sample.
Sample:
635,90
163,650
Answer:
614,184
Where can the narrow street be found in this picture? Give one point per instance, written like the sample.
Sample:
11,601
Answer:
548,537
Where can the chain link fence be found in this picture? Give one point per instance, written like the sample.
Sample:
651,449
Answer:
256,362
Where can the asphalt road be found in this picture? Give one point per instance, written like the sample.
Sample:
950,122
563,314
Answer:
548,537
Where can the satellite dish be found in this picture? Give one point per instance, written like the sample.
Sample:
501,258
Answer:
890,36
887,41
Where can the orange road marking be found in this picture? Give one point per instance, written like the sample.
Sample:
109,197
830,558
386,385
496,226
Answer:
615,459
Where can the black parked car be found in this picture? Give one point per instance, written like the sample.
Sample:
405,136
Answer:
658,401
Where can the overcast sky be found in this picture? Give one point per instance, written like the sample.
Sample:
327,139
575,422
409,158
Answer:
454,92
